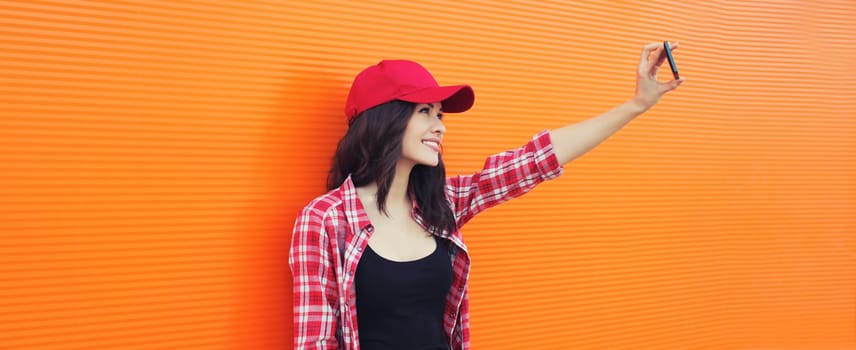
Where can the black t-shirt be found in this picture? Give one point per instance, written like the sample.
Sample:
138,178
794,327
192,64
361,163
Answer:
400,304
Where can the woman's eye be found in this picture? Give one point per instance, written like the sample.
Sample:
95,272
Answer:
427,110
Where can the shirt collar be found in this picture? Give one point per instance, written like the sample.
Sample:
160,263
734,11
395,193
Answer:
354,211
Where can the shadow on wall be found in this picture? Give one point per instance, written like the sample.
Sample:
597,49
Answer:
296,147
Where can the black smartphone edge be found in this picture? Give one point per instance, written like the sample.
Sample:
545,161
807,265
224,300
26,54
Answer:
671,59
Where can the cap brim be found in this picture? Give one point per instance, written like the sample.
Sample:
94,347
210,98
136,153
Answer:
455,99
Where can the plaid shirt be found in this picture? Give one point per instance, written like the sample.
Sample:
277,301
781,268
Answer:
333,230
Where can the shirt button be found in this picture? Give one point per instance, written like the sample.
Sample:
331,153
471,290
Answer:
370,229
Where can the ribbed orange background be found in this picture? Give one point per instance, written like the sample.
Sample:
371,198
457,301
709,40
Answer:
154,154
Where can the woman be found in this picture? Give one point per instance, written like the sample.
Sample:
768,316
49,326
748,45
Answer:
379,261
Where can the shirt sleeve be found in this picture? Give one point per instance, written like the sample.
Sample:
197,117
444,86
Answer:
314,280
504,176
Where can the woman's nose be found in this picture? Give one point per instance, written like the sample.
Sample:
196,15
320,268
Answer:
439,127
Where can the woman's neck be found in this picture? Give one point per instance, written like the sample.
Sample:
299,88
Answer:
397,199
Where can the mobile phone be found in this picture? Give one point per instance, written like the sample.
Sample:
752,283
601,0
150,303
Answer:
671,60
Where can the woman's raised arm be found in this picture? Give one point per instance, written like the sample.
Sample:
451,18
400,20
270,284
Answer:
576,139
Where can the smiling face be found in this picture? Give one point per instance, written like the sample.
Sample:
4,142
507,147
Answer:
421,143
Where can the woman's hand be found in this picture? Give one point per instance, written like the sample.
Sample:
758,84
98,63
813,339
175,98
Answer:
648,89
572,141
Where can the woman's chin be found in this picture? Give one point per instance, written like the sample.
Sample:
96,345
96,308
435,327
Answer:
430,163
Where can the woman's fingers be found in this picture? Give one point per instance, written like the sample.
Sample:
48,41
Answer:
646,53
653,56
669,86
648,49
648,89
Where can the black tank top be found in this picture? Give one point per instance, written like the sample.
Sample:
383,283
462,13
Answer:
400,304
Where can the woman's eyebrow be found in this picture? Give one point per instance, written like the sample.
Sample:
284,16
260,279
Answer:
431,105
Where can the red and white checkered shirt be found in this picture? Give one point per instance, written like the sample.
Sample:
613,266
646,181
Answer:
333,230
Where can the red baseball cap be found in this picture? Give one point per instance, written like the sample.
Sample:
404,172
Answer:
406,81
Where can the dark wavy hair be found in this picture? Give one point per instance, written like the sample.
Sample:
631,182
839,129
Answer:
369,152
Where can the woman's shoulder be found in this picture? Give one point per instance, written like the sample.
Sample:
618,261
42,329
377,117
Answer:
319,216
324,204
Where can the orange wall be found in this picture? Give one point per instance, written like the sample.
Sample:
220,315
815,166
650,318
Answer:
153,156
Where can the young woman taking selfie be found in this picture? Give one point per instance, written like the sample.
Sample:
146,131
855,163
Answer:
379,261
